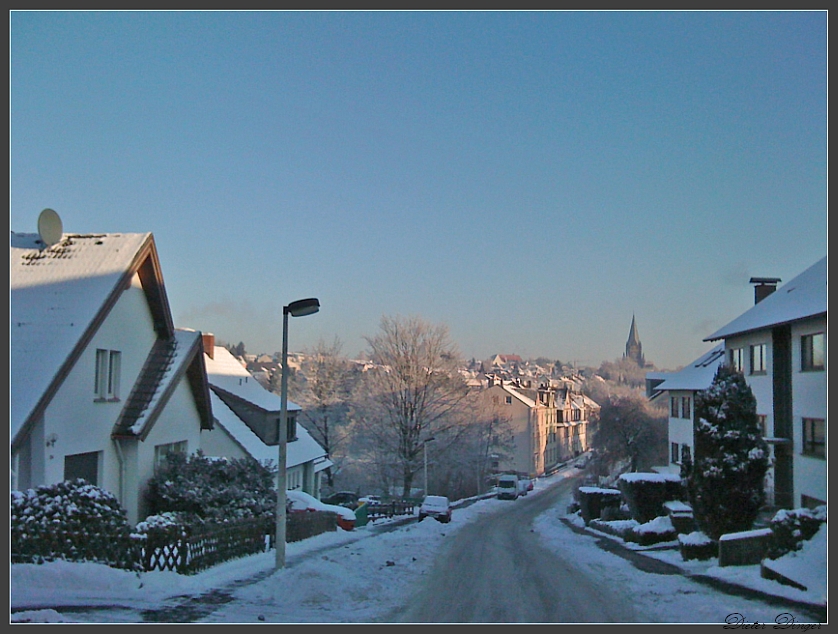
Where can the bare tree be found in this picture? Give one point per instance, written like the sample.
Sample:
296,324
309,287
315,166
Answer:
323,390
628,428
415,391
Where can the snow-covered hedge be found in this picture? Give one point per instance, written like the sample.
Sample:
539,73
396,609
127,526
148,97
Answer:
791,528
655,531
697,545
592,501
645,493
71,520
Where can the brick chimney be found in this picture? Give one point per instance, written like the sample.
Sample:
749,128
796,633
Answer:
763,287
209,344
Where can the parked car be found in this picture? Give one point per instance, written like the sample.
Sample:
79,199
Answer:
523,486
436,506
370,500
508,487
348,499
300,502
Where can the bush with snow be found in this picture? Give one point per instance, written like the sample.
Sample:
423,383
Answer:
726,481
697,545
198,488
790,528
655,531
71,520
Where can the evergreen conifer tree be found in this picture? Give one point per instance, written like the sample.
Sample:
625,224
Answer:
726,480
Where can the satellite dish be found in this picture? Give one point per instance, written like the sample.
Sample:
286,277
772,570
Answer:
50,227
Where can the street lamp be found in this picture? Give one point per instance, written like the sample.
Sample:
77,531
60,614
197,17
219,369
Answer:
300,308
425,451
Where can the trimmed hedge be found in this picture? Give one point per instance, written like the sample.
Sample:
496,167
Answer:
646,493
592,500
697,545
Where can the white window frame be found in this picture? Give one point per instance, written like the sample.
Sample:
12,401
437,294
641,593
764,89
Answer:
813,357
161,452
758,358
737,359
107,373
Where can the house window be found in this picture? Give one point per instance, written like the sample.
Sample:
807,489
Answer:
509,400
812,352
106,386
161,452
685,407
814,437
674,454
758,359
577,415
82,465
686,453
737,359
673,406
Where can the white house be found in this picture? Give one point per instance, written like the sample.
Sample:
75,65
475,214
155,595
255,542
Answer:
680,388
247,419
102,386
780,346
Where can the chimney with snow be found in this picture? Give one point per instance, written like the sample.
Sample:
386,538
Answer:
763,287
209,344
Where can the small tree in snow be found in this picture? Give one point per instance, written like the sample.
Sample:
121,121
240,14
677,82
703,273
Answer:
726,480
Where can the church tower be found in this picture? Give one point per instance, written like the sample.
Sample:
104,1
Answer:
634,349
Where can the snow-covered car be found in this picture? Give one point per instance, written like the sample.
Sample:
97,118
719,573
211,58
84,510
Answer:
370,500
301,502
436,506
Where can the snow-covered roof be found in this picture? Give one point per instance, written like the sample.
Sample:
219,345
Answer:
227,372
56,295
802,297
525,400
142,409
303,449
698,375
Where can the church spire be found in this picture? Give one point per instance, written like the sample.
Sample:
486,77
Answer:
634,349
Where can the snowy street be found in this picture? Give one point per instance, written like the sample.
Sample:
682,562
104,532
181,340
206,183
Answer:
369,575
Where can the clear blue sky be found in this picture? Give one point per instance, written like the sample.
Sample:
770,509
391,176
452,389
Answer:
529,179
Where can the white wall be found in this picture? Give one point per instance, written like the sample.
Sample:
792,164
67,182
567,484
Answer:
808,401
80,424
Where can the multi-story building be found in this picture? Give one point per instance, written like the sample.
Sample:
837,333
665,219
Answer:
779,344
549,423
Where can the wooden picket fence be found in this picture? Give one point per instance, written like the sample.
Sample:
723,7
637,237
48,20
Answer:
188,552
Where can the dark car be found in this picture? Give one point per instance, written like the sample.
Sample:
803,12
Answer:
343,498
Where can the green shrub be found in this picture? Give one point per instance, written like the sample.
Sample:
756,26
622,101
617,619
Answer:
655,531
697,545
71,520
199,488
726,480
790,528
646,493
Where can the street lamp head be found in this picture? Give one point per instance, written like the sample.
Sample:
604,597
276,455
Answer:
302,307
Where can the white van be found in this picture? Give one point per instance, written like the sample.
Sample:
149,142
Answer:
508,486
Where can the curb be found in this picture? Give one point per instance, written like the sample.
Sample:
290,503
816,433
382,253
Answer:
645,563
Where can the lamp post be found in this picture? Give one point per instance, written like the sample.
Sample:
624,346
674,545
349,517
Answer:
300,308
425,451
